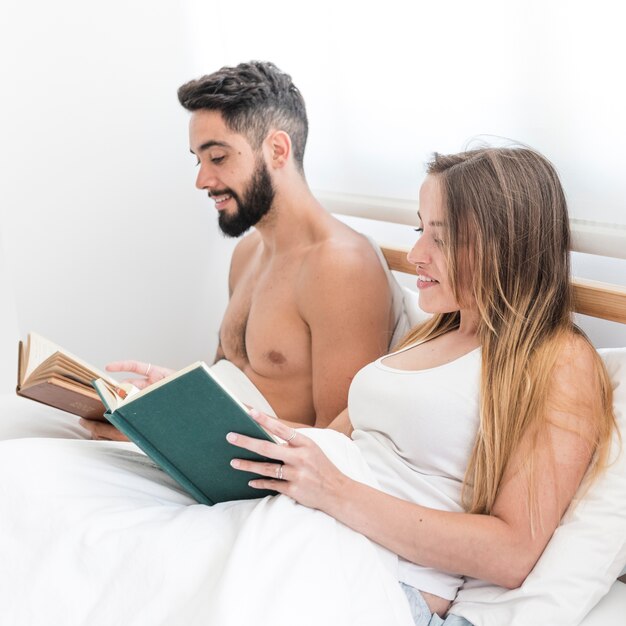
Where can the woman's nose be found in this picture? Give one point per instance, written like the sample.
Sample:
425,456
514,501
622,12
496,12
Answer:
417,254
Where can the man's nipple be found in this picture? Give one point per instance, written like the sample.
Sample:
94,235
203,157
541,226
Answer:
276,357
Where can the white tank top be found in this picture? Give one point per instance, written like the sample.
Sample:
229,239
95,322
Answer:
416,430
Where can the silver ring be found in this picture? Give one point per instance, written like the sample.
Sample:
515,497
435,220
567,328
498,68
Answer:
279,474
148,370
292,436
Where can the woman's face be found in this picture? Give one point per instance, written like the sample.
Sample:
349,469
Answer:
429,252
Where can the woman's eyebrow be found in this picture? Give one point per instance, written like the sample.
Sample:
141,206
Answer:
432,222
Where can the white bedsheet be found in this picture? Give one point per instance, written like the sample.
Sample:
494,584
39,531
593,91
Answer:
92,533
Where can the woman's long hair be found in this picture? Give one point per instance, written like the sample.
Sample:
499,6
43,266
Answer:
508,233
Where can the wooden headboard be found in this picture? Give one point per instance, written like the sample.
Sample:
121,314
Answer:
591,297
594,298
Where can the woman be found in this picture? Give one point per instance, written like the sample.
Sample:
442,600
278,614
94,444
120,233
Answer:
481,426
477,431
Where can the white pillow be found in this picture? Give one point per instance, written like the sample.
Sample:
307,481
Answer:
412,307
585,555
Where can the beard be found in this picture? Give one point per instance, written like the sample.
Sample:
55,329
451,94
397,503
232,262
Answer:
252,205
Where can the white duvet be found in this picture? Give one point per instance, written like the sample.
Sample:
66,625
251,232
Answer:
92,533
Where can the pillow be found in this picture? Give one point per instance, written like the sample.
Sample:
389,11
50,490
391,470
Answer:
412,307
584,556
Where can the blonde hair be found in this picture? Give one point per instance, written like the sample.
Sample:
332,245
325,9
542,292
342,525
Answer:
506,219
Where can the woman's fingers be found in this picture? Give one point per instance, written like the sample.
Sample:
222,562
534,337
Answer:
276,427
271,470
265,448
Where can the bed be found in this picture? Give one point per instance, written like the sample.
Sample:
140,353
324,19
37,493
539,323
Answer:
559,589
135,550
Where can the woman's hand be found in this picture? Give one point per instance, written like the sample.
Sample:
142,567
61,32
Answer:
302,470
150,373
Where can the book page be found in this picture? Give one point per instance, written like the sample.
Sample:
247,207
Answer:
39,349
113,396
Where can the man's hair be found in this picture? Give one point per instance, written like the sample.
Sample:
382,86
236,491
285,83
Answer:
252,98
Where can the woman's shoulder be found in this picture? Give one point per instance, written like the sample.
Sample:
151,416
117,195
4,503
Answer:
575,388
575,354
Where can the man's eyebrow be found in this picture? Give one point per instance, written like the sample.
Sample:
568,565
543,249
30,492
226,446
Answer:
432,223
210,144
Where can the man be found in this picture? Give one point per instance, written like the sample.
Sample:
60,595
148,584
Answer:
310,302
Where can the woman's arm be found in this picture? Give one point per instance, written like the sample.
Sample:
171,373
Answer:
500,548
342,423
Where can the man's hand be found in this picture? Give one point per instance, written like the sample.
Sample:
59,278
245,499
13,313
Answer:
102,430
150,374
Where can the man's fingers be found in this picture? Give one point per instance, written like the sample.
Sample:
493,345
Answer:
140,383
136,367
101,430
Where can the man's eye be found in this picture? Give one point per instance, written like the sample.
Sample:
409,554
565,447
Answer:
217,160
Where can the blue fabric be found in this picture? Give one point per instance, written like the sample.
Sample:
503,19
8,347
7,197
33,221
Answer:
421,613
451,620
419,609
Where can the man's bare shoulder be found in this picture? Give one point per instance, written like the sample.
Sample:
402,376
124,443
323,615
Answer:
344,256
342,271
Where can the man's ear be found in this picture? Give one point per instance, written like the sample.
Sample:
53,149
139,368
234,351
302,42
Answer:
279,144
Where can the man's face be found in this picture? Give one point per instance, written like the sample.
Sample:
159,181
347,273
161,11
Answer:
235,176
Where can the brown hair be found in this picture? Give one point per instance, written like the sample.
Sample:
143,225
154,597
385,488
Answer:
506,219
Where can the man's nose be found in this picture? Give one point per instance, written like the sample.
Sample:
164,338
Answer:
206,179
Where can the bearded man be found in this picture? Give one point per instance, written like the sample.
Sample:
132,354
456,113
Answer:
310,303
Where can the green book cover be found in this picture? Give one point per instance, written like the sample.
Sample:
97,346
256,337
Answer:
181,423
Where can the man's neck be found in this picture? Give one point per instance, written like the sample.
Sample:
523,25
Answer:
294,219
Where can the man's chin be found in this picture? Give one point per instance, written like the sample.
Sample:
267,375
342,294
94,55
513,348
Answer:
233,229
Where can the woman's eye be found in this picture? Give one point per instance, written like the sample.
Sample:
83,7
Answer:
419,230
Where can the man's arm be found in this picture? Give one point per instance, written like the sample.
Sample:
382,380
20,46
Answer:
344,297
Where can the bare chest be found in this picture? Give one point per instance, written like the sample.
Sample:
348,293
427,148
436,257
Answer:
262,327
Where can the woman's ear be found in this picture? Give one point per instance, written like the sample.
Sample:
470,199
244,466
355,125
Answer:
279,144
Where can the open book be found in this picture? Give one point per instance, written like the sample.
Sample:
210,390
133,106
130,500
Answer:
181,423
49,374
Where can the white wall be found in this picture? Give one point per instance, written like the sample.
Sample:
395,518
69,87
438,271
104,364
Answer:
387,83
114,251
